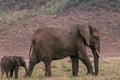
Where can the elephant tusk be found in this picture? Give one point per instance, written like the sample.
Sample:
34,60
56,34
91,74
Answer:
101,57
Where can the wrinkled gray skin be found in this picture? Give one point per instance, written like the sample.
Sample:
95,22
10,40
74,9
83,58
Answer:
11,64
55,42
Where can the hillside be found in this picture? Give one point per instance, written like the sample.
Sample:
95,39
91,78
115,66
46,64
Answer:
16,38
61,5
18,27
11,5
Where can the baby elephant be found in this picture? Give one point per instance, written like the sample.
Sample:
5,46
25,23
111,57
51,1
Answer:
11,64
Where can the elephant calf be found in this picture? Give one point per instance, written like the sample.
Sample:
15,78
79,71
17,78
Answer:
11,64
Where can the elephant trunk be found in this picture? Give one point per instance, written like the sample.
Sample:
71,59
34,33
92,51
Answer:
96,61
95,49
29,71
26,70
98,51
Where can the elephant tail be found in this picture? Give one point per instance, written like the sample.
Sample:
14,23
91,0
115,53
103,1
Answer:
33,42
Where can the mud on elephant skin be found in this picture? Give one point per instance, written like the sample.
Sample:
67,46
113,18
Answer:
53,42
9,64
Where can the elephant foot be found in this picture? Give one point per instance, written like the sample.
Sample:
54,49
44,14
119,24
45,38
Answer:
48,75
95,74
75,75
90,74
27,75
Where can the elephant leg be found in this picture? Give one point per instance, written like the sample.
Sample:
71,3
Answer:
87,63
2,73
16,72
11,73
47,68
32,63
82,55
75,65
84,58
7,74
96,61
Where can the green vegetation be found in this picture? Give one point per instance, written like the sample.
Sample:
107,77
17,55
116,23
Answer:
61,70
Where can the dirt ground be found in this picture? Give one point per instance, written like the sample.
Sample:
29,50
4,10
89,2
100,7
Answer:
15,39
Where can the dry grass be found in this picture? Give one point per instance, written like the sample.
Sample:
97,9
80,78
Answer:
13,17
61,70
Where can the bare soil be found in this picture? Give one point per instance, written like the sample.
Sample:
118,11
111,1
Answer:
15,39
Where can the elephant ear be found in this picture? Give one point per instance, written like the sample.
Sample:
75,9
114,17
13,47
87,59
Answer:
17,60
85,32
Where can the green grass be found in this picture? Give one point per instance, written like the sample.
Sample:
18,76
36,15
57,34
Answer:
61,70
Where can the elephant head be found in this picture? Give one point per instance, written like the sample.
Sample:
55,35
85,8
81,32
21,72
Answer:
19,60
92,40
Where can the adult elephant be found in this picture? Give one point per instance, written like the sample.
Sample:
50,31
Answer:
53,42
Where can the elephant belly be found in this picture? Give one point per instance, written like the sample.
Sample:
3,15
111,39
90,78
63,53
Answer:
62,53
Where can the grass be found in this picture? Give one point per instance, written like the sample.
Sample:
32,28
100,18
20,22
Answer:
112,5
54,7
61,70
12,17
16,16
